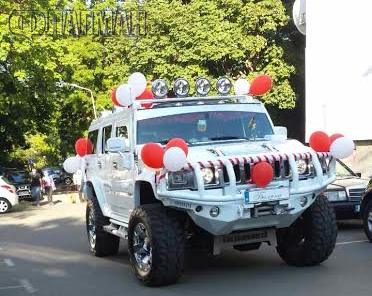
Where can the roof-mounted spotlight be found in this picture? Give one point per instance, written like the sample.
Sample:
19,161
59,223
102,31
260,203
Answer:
202,86
223,85
159,88
181,87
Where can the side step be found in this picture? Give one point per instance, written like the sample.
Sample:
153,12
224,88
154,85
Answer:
117,228
267,235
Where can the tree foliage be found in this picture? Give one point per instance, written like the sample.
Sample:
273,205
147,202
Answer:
234,38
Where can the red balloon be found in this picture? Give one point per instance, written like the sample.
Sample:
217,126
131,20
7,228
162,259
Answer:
146,95
178,142
260,85
152,155
262,174
334,137
113,98
83,146
320,141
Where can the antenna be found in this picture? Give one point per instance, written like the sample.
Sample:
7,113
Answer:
299,15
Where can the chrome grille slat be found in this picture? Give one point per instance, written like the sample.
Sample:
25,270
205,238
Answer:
356,194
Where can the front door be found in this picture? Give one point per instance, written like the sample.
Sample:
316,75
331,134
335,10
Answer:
122,172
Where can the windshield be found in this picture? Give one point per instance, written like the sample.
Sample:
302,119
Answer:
18,177
342,171
203,127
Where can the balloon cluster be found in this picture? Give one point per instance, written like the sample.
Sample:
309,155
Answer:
125,94
172,158
83,146
338,145
259,86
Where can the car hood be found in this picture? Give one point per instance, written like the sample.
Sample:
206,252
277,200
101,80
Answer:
353,182
242,148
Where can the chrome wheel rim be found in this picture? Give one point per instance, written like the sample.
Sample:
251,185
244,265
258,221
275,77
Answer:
142,250
92,229
369,220
3,206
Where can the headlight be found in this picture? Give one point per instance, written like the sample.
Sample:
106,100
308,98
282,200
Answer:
336,195
302,166
202,86
180,180
223,86
159,88
208,175
181,87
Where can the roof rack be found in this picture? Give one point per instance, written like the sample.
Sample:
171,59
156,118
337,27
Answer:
176,102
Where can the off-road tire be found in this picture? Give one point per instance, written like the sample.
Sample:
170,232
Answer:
312,238
167,241
366,212
106,244
7,206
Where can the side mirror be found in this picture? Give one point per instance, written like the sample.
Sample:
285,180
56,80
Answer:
117,144
281,131
359,175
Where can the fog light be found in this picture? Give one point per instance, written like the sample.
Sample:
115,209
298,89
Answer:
214,212
159,88
303,201
198,209
202,86
181,87
223,86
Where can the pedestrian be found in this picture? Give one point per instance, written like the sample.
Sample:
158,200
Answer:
49,187
36,185
78,179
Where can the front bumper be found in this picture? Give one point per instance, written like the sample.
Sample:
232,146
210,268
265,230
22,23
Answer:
346,209
13,199
235,214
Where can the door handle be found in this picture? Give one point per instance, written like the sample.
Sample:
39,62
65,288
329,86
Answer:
99,164
115,165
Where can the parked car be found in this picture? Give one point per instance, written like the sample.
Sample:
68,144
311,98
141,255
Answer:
8,195
60,176
366,211
346,192
21,180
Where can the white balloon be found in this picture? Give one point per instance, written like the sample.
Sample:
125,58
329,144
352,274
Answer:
72,164
174,159
342,147
125,95
241,86
138,83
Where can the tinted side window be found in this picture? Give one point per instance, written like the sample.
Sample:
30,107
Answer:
122,131
93,137
106,134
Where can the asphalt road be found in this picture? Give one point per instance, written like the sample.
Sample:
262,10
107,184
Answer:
45,252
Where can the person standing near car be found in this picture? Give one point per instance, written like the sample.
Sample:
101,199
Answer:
49,187
36,185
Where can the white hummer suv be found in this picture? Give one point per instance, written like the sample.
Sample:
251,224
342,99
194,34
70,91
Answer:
212,202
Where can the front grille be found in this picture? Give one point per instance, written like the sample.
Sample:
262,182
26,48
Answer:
243,171
356,194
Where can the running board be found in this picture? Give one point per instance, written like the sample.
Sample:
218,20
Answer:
117,230
267,235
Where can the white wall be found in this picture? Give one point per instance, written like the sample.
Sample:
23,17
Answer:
339,67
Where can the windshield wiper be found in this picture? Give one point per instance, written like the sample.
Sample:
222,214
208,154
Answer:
227,138
165,141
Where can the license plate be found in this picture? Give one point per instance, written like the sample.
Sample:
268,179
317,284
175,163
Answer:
357,208
23,193
265,195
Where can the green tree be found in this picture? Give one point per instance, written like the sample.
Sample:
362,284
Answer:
236,38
